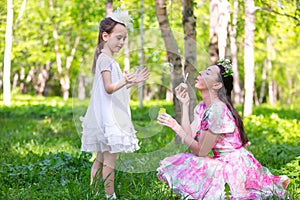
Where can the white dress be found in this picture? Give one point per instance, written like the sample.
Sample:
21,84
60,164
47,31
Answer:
107,124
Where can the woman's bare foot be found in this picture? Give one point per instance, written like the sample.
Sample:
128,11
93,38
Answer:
285,183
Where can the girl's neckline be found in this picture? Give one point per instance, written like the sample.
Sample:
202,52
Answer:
107,54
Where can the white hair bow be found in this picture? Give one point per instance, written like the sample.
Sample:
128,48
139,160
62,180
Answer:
122,17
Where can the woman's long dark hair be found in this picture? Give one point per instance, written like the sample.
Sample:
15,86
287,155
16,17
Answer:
224,95
106,25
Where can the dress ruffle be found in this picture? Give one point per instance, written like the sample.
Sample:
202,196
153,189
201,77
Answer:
196,177
109,138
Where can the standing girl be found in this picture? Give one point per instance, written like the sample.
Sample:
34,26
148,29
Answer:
107,125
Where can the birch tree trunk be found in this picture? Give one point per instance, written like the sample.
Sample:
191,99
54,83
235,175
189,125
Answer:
249,56
172,51
223,20
190,50
219,19
21,12
271,88
141,55
233,48
263,82
213,37
109,7
7,54
63,73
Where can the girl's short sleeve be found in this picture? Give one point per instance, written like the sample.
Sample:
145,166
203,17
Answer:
218,119
104,63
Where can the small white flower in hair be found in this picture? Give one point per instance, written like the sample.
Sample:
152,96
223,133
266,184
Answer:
122,17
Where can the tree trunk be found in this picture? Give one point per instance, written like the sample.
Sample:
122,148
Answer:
223,20
249,56
233,49
263,82
64,78
81,88
272,96
126,56
190,65
7,54
213,37
172,51
39,81
141,55
21,12
275,87
219,19
15,81
22,77
109,7
290,96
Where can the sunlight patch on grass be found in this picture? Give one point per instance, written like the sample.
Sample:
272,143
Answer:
34,147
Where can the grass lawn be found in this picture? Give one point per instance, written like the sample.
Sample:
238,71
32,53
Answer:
41,157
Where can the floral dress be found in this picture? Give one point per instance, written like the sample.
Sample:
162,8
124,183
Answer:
196,177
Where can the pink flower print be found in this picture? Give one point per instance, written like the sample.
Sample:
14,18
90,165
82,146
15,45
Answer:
200,173
182,174
250,156
178,161
252,179
253,196
207,183
198,177
186,189
223,126
204,125
276,179
193,164
253,184
266,181
219,172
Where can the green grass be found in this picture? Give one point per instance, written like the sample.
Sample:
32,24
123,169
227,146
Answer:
41,157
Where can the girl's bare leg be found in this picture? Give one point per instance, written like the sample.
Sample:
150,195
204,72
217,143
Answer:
108,172
97,167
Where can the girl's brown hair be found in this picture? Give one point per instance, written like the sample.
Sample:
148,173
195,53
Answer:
106,25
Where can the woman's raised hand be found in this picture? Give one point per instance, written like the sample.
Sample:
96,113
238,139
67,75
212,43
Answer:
181,92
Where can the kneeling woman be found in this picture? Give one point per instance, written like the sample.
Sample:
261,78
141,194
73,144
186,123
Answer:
217,127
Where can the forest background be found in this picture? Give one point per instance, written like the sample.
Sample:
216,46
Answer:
52,45
46,50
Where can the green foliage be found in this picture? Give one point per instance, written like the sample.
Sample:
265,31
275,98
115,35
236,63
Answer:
278,22
41,157
33,45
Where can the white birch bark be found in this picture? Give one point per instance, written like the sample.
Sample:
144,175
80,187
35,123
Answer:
7,54
233,49
249,56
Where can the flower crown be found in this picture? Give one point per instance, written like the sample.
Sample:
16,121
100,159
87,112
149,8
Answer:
227,65
122,17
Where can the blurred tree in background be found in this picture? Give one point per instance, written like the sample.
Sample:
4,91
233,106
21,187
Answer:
53,44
